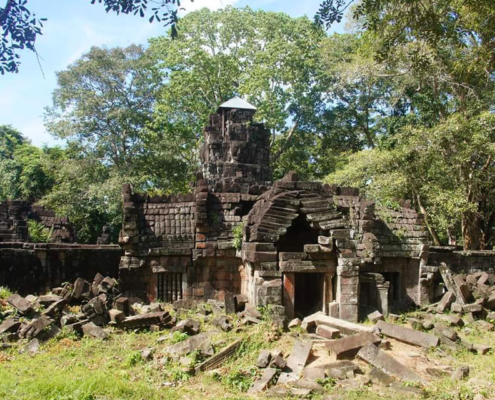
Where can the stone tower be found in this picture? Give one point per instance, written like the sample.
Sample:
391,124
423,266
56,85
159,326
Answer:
236,151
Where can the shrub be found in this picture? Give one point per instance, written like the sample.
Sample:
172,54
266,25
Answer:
238,231
38,232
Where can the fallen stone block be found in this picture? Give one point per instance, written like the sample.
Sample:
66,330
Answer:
10,325
378,377
340,369
296,362
264,359
393,317
116,316
345,327
55,308
90,329
379,359
348,347
327,332
447,300
482,349
222,322
33,347
313,373
230,303
490,302
35,327
188,326
460,373
439,371
217,360
376,316
263,383
81,287
462,290
472,308
452,320
309,323
294,323
443,330
308,385
48,299
483,279
200,342
456,308
250,311
278,362
484,325
20,304
407,335
247,320
146,320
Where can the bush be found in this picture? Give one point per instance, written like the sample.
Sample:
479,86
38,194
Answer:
238,232
38,233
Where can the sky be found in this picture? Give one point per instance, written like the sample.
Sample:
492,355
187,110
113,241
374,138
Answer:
73,27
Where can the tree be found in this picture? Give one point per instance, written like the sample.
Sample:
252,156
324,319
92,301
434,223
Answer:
269,58
26,171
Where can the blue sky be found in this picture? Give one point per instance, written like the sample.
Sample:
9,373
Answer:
74,26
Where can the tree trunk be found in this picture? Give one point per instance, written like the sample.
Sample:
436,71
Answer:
472,232
433,233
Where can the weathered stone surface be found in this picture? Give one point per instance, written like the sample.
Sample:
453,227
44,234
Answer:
376,316
340,369
462,290
48,299
327,332
407,335
20,304
145,320
35,327
472,308
439,371
263,383
378,377
199,342
344,327
230,303
264,359
443,330
447,300
313,373
217,360
460,373
9,325
309,385
116,316
222,322
482,349
348,347
278,362
299,357
90,329
33,347
188,326
294,323
456,307
379,359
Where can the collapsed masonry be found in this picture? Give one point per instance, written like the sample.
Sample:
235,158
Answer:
306,246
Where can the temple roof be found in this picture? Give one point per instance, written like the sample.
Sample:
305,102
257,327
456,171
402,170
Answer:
238,103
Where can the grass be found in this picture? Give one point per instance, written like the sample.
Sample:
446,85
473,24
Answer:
69,368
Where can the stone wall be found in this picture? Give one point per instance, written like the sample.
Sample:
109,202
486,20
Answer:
35,268
15,214
460,261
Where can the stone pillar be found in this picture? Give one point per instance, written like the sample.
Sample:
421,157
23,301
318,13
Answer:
328,295
383,297
425,287
348,288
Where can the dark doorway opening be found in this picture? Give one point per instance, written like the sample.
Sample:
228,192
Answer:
298,234
308,294
394,289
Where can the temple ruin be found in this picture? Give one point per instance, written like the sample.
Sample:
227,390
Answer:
306,246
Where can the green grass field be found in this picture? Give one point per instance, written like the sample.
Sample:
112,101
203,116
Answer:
70,368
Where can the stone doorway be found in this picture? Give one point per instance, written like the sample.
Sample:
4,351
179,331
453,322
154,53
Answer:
308,297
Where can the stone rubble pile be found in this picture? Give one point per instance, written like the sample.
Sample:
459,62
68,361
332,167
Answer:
83,307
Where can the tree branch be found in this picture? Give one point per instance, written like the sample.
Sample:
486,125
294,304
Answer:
284,147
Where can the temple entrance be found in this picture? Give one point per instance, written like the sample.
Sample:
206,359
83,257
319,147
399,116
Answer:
308,294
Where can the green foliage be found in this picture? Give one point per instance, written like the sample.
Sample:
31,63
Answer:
134,358
38,233
179,337
238,232
241,379
5,293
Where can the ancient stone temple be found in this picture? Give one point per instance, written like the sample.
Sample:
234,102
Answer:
306,246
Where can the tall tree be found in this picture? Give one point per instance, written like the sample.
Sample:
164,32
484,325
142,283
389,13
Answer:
269,58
